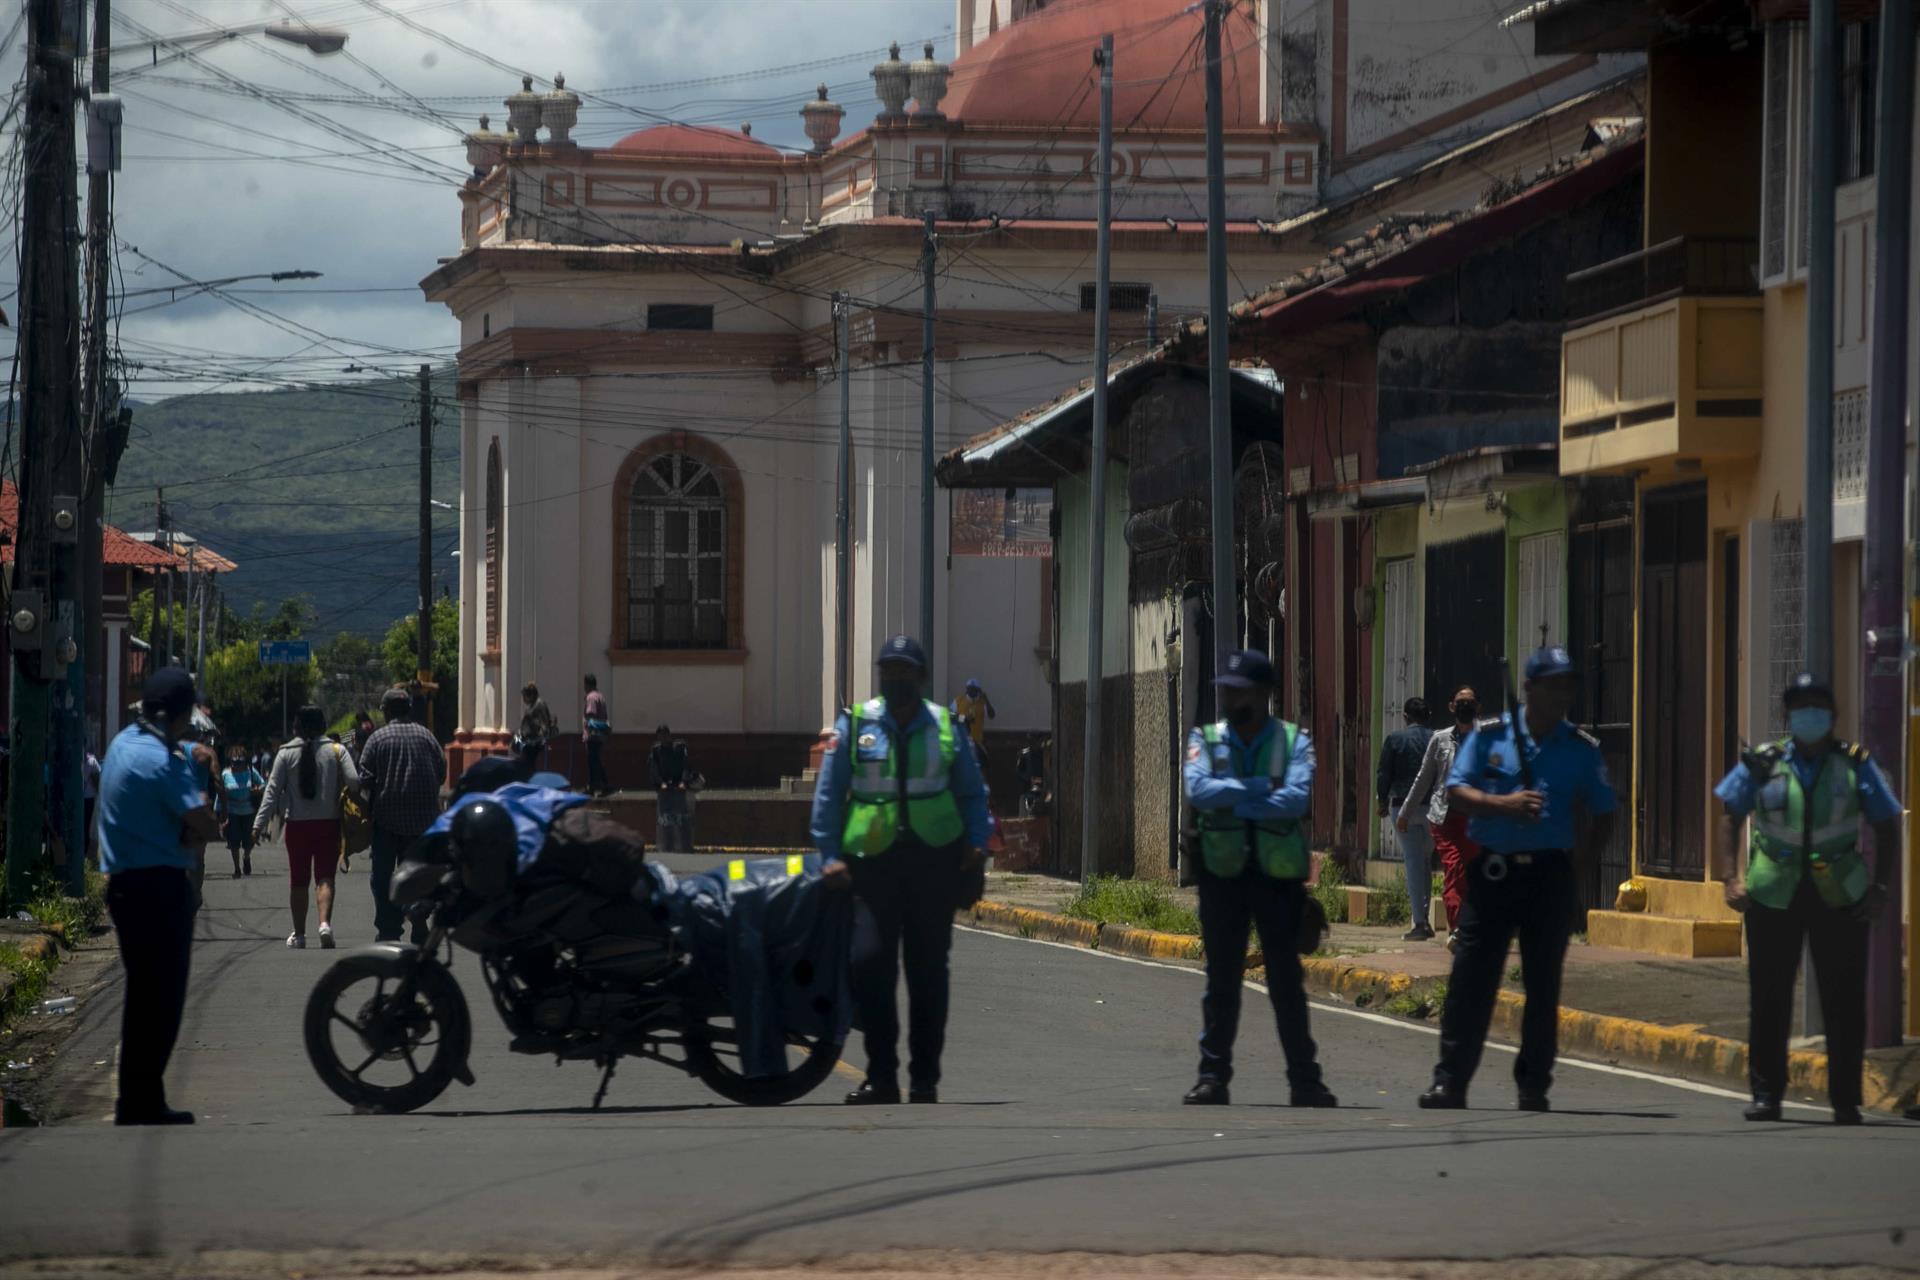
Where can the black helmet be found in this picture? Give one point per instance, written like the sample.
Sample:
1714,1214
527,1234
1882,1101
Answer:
485,847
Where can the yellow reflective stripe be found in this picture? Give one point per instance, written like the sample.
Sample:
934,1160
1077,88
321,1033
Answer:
736,870
795,864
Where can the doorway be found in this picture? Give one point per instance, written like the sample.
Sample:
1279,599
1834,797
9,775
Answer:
1675,600
1600,634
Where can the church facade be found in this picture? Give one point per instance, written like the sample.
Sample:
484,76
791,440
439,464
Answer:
649,383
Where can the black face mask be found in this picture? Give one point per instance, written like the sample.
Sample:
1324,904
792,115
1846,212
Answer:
1244,716
1465,710
900,691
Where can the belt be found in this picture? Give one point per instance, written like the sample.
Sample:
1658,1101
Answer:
1495,864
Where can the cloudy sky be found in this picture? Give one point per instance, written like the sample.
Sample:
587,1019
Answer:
254,156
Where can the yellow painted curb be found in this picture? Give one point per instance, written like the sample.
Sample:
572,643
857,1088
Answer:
1677,1050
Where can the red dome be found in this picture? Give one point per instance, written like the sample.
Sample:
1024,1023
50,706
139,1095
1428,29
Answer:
1031,72
694,140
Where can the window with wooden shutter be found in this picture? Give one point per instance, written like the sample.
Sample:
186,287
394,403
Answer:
677,556
1785,170
1400,658
492,589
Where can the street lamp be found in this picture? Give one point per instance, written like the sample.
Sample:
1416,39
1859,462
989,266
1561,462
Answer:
319,41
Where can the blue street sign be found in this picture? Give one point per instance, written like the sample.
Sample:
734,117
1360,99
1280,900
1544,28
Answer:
285,653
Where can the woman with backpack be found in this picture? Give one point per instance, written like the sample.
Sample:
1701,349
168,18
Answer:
309,777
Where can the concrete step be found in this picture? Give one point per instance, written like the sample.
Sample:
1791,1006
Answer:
1683,936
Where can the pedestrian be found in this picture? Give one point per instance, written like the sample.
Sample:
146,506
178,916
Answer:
240,788
975,708
900,817
1249,778
402,770
1806,882
1448,826
537,727
151,808
304,791
1520,778
1401,756
596,726
206,771
362,730
670,768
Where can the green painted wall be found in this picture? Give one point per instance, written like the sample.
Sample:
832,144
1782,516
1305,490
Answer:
1070,497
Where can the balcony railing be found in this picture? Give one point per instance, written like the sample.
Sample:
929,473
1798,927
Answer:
1698,266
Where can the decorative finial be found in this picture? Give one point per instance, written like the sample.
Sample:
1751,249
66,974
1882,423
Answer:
822,121
559,80
746,127
560,111
928,81
890,86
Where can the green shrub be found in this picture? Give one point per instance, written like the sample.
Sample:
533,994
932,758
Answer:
1418,1002
74,918
1142,904
1391,904
1331,891
30,979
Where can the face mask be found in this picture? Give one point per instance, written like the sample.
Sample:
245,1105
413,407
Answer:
1244,716
1810,724
1465,710
900,691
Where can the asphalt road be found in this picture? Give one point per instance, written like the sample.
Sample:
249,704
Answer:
1061,1131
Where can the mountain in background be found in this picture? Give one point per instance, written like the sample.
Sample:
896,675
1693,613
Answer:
311,491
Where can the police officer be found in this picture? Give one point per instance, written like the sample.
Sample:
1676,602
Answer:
900,814
1519,777
1249,778
1805,879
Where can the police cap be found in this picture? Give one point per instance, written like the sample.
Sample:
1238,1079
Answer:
1807,687
1246,669
902,649
1544,664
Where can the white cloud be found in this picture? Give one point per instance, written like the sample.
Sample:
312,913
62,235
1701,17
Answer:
315,201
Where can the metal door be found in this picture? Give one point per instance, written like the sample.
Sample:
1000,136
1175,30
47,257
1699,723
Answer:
1466,617
1673,690
1600,634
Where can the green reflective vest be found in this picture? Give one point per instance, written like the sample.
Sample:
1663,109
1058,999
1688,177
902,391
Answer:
915,768
1797,830
1226,841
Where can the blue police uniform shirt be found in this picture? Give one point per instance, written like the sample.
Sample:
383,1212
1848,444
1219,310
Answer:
1248,792
1567,770
146,792
1740,790
968,788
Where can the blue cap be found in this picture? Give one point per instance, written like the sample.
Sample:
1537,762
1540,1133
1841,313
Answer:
1246,669
1549,662
902,649
973,686
1804,687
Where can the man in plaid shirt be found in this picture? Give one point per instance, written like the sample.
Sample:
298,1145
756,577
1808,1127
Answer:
402,769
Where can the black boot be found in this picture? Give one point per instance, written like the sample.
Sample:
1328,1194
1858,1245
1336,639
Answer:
163,1114
1207,1093
870,1094
1313,1095
1534,1100
1443,1097
1847,1115
1762,1108
926,1093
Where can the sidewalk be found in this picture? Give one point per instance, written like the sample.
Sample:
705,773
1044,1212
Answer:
1686,1016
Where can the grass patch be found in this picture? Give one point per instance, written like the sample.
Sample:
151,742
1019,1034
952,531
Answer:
1391,903
1419,1002
71,918
29,982
1139,903
1331,891
1513,973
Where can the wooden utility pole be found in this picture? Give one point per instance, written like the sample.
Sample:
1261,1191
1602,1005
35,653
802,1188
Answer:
1090,752
49,436
424,629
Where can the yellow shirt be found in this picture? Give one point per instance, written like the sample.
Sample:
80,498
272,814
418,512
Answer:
974,712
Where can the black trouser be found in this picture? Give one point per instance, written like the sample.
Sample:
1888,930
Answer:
1228,910
387,918
903,906
1839,946
152,910
597,765
1536,901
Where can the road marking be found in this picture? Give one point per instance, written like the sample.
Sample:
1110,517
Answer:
1691,1086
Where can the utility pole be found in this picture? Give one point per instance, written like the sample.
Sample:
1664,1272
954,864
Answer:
1097,480
843,498
1883,667
41,618
926,443
94,409
203,581
424,630
1817,529
1219,389
154,656
1825,145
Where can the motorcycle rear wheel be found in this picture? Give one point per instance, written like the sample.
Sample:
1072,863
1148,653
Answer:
717,1063
394,1034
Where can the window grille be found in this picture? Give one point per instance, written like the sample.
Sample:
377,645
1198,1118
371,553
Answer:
676,556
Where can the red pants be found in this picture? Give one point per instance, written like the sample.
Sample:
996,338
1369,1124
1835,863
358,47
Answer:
1455,851
313,850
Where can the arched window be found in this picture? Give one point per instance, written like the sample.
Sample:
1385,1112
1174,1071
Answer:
676,555
492,591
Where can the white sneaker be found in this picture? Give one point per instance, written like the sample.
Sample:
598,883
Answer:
298,941
326,937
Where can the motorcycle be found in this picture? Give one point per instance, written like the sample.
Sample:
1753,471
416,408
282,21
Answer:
575,970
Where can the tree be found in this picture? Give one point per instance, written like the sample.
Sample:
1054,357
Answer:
401,650
246,694
353,674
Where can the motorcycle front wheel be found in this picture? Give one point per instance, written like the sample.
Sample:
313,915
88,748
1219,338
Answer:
387,1033
713,1052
